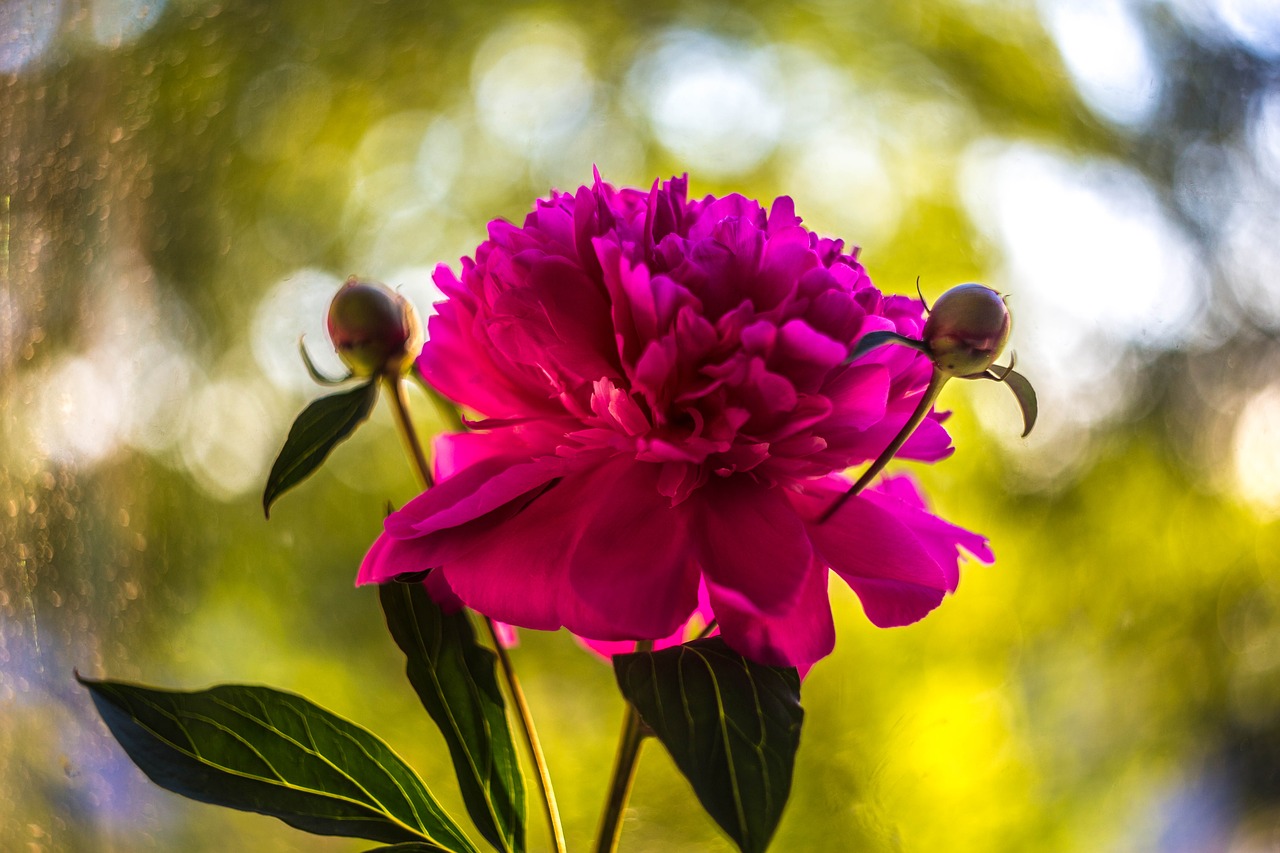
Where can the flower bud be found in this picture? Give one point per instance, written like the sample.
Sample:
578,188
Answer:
374,329
967,329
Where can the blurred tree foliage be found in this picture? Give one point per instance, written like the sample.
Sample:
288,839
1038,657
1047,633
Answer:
1112,683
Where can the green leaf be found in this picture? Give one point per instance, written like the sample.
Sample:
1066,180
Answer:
1022,390
731,725
263,750
1026,395
455,679
872,340
408,847
319,429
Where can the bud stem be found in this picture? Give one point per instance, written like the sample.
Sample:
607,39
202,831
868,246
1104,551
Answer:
404,425
936,381
400,408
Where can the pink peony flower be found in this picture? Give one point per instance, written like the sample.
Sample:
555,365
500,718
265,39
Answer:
667,408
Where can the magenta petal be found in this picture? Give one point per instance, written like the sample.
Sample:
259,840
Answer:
438,588
804,634
751,544
880,558
517,571
473,492
455,451
630,568
573,556
942,539
388,557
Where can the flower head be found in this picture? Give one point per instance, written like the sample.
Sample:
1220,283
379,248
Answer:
668,406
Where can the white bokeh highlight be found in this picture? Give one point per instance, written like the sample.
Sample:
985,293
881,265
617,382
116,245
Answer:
713,103
532,85
1256,451
1106,54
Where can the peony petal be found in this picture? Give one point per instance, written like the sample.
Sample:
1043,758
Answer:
473,492
517,571
942,539
452,452
389,557
799,637
750,543
630,568
894,576
559,560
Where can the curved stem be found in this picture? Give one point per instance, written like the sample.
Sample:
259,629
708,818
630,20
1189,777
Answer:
624,773
936,381
530,738
409,435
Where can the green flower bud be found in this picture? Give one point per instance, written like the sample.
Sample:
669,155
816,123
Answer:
967,329
374,329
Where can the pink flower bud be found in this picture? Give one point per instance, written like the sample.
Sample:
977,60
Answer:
374,329
967,329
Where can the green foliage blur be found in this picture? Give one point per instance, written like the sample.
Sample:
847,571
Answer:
186,183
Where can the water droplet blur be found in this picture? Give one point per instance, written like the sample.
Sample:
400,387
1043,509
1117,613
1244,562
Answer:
120,22
27,30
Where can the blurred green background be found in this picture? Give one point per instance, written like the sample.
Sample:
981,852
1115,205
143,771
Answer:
185,183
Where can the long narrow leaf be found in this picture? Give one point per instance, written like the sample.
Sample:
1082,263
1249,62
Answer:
731,725
262,750
319,429
454,677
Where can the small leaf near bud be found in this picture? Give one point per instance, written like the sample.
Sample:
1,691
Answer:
967,330
374,329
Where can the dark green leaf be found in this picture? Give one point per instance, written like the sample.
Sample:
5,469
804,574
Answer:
872,340
731,725
319,429
408,847
262,750
454,677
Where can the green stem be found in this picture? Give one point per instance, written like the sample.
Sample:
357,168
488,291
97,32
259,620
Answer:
936,381
530,738
624,774
400,408
408,435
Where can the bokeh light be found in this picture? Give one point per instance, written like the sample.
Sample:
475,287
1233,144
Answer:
1256,451
120,22
712,102
27,30
532,86
1106,52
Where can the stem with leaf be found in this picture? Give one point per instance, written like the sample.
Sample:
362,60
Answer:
413,447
